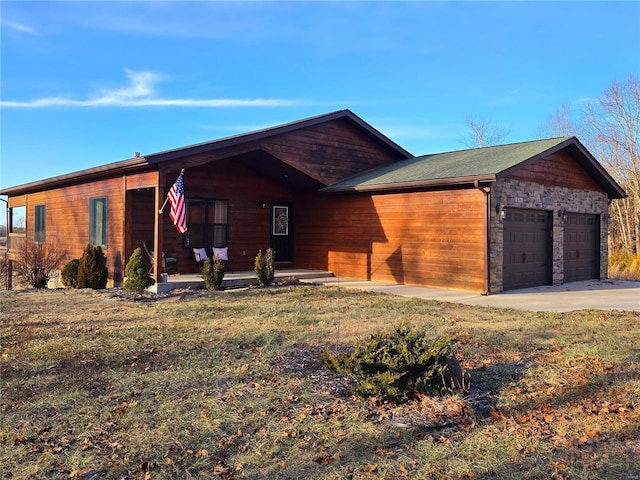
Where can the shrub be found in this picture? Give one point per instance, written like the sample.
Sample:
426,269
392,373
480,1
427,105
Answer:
92,269
69,274
265,271
36,262
624,266
400,363
137,273
213,273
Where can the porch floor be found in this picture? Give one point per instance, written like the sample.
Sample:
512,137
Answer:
234,279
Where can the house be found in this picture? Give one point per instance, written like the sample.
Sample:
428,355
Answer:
332,193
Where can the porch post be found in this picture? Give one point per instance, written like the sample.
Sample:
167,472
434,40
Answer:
158,237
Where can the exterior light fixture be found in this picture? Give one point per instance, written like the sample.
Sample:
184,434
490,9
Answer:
501,211
263,204
563,215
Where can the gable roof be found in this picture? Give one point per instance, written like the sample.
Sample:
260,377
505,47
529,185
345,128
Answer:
277,130
475,165
150,161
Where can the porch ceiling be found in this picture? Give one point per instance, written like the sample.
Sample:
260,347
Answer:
277,170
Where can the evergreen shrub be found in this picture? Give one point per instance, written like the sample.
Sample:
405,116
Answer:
69,274
137,273
264,267
398,364
92,270
213,273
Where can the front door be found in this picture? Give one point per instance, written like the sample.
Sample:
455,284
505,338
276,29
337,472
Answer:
282,231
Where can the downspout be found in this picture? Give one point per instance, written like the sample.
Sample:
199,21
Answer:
487,216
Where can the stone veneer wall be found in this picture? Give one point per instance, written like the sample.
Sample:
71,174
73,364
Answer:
521,194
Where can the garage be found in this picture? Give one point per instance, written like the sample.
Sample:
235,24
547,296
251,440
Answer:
527,248
581,247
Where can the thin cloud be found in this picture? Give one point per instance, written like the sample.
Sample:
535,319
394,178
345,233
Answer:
507,99
141,93
18,27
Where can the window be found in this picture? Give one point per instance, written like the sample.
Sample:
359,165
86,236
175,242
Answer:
207,221
18,220
39,224
98,222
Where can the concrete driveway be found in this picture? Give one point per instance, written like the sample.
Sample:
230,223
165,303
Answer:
594,294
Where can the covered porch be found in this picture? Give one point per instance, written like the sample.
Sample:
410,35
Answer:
234,279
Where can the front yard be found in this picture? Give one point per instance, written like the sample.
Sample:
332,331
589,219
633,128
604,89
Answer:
229,385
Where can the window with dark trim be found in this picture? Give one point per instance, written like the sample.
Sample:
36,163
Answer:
39,224
18,219
207,221
98,221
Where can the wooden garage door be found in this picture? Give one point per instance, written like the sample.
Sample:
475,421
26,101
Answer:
527,248
581,247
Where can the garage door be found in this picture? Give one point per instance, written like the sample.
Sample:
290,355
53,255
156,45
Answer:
581,247
527,248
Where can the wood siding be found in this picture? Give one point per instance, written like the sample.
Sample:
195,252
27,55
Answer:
67,219
142,180
558,169
434,239
331,151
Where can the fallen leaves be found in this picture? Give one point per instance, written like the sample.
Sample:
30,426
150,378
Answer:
205,397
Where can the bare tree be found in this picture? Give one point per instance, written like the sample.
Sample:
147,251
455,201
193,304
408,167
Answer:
36,262
612,125
484,133
560,123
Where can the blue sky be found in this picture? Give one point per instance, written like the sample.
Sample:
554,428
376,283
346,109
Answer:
88,83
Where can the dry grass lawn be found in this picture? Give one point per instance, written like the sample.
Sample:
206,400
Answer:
228,385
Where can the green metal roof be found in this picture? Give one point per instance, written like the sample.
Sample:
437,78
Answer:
448,168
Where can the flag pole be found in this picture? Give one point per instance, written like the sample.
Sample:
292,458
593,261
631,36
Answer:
166,198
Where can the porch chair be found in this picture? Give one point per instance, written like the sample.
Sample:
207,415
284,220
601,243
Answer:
167,260
201,254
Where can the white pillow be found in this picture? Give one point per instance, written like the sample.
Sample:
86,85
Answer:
200,254
221,252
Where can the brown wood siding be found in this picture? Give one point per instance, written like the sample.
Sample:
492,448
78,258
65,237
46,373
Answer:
434,239
331,151
67,218
142,180
558,169
18,201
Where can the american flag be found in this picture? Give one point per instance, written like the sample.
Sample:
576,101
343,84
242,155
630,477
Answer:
178,214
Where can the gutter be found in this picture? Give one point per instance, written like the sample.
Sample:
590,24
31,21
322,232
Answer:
487,248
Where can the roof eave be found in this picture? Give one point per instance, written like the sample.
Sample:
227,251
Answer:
117,168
